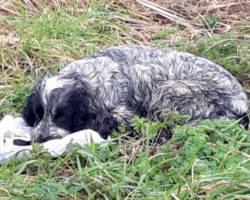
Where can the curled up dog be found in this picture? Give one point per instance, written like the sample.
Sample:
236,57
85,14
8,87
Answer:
113,86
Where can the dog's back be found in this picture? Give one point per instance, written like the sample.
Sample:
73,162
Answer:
142,79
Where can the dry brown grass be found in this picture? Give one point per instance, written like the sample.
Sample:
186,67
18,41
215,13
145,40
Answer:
189,14
149,17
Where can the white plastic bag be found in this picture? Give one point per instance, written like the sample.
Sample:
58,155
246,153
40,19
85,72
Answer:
15,128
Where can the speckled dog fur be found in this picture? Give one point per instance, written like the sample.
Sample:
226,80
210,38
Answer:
112,86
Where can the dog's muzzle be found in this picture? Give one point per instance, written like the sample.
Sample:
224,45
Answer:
46,131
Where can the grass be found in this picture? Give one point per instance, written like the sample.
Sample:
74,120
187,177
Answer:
207,161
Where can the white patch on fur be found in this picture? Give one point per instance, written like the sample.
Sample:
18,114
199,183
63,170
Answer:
122,114
52,83
240,106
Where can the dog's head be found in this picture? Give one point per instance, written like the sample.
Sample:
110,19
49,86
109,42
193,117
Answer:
61,105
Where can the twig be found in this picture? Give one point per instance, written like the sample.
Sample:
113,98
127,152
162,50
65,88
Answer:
221,6
174,196
6,7
5,87
132,21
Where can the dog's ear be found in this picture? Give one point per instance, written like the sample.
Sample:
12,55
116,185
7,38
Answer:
90,111
99,121
33,111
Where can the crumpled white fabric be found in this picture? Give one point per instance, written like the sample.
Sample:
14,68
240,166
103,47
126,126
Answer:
15,128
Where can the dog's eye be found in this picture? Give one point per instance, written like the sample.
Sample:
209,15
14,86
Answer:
63,119
59,115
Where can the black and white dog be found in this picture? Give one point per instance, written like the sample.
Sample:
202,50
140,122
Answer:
110,87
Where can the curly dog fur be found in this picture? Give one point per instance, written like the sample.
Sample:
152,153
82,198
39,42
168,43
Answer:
112,86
